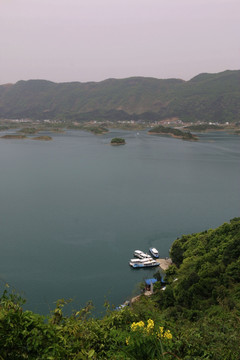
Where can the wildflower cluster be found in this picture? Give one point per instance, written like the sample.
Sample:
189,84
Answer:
164,334
137,326
150,326
147,340
149,330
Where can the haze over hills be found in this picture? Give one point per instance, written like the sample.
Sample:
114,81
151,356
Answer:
206,97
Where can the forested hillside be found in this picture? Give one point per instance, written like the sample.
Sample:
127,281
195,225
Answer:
206,97
196,315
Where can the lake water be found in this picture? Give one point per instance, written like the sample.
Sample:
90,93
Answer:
74,209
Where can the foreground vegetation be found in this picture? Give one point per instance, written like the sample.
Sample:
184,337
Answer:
197,316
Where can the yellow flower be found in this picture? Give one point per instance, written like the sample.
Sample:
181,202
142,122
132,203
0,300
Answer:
150,325
168,335
160,332
127,340
136,326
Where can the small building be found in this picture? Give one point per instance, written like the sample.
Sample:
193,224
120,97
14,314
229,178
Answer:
149,285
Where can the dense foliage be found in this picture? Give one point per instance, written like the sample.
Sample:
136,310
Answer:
209,265
196,316
207,97
118,141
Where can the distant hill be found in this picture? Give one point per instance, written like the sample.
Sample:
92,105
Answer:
206,97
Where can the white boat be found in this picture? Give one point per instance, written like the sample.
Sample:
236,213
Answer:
153,251
151,263
141,255
137,261
143,263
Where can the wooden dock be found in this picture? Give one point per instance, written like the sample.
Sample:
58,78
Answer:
164,265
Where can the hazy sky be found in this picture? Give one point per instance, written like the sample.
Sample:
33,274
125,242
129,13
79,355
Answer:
92,40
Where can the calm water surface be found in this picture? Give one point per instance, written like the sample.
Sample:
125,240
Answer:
73,210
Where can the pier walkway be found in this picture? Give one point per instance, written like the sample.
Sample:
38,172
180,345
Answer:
164,263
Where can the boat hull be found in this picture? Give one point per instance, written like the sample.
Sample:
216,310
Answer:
142,265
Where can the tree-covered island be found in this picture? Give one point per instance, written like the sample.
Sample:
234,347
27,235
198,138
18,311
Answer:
97,130
118,141
179,134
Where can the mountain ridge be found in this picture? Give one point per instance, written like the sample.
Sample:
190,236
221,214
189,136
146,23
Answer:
206,97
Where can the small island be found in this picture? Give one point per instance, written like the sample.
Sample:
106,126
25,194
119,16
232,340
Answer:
97,130
29,130
44,138
176,133
118,141
13,136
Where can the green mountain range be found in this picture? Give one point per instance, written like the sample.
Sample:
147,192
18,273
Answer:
206,97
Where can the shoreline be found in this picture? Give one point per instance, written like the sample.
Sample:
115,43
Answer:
172,135
164,265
